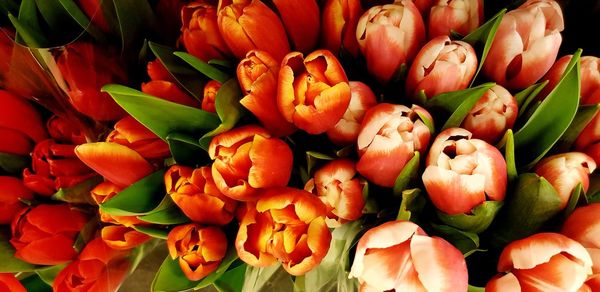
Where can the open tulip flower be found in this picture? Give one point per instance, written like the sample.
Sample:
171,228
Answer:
346,131
461,16
20,125
12,193
200,32
338,29
583,226
131,133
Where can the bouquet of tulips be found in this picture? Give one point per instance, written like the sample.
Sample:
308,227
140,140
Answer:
310,145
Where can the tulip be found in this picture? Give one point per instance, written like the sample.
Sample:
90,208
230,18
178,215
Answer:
9,283
257,75
588,140
45,234
102,193
210,95
565,171
441,66
12,192
593,283
93,10
313,92
98,268
389,136
86,68
244,162
526,44
54,167
461,16
340,190
200,32
301,21
63,130
400,256
494,113
424,6
338,29
200,249
131,133
195,193
589,78
243,26
583,226
286,225
462,172
390,35
122,238
346,130
20,125
542,262
157,71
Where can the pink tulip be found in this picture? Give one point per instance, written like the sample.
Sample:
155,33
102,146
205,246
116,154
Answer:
583,226
424,6
589,74
346,131
588,140
461,16
462,172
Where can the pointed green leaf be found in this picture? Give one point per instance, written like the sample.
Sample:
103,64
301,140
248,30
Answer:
508,143
427,121
527,96
170,278
475,289
576,196
593,193
408,173
78,16
80,193
35,283
223,63
228,107
87,233
483,37
48,274
412,202
313,159
138,199
166,213
154,232
267,279
186,150
457,104
232,280
230,257
10,264
478,221
584,115
135,18
189,79
203,67
464,241
13,164
62,26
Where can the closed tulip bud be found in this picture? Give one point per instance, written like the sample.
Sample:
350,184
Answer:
589,78
313,91
257,75
542,262
441,66
242,24
285,225
565,171
9,283
131,133
588,140
244,162
462,172
362,98
86,68
461,16
494,113
12,192
20,125
338,30
301,21
93,10
583,226
200,32
389,36
63,130
169,91
389,136
200,249
210,95
122,238
400,256
157,71
339,188
195,193
102,193
526,44
45,234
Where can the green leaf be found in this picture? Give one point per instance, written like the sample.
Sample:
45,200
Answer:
412,202
466,242
575,197
48,274
35,283
13,164
10,264
27,25
508,143
593,193
551,119
228,260
80,193
170,278
269,278
232,280
203,67
458,103
475,289
528,95
223,63
160,116
477,222
584,115
139,198
135,17
62,25
408,173
229,109
154,232
484,35
167,213
78,16
187,77
87,233
186,150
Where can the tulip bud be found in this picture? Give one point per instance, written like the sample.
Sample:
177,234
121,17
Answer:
542,262
565,171
93,10
526,44
462,172
400,256
8,282
441,66
589,78
461,16
131,133
122,238
200,249
200,32
301,21
583,226
102,193
45,234
313,92
346,130
12,191
494,113
389,136
169,91
338,30
588,140
210,95
20,125
63,130
157,71
390,35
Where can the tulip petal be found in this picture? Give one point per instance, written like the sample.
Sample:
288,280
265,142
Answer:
500,283
268,172
453,193
52,250
441,267
558,274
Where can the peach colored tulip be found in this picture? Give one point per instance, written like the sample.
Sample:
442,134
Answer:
461,16
389,136
338,30
9,283
583,226
362,98
301,21
63,130
589,74
122,238
494,113
588,140
102,193
12,191
131,133
20,125
200,33
210,95
463,172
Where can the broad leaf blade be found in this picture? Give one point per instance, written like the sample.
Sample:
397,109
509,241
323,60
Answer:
134,17
408,173
483,37
229,110
584,115
10,264
138,199
203,67
457,104
187,77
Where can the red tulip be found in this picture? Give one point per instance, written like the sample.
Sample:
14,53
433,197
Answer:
6,53
338,29
462,172
583,226
461,16
390,35
131,133
542,262
210,95
200,32
12,191
441,66
257,75
346,130
244,162
200,249
313,92
589,78
9,283
93,10
248,25
20,125
340,190
526,44
169,91
399,256
389,136
301,21
122,238
588,140
157,71
102,193
565,171
65,131
287,225
45,234
494,113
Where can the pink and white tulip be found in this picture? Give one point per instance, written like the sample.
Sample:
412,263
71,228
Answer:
583,226
461,16
589,74
346,130
588,140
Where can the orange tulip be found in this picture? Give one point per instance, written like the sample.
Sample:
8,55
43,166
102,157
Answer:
287,225
461,16
9,283
249,24
313,92
122,238
390,35
210,95
200,249
389,136
45,234
346,130
244,162
157,71
583,226
195,193
301,21
169,91
462,172
399,256
340,190
20,125
12,191
131,133
542,262
338,29
102,193
257,75
589,74
64,130
588,140
200,32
